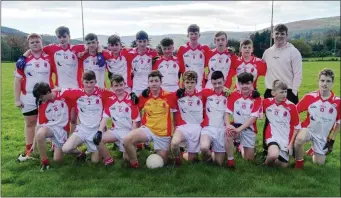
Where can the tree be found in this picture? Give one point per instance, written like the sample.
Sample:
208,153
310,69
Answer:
302,47
18,45
324,53
133,44
260,42
234,43
159,49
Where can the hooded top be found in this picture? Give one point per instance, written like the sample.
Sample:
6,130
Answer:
284,64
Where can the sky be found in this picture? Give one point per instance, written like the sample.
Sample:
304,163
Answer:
157,17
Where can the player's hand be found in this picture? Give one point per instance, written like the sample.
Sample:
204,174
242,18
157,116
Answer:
81,54
290,149
329,146
97,138
180,92
145,93
100,60
19,104
56,89
134,98
255,94
21,62
226,91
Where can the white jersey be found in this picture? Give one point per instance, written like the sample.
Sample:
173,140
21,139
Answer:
89,64
122,112
215,108
169,69
321,114
190,109
283,119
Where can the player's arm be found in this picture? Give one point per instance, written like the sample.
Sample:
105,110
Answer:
296,65
295,122
17,91
303,104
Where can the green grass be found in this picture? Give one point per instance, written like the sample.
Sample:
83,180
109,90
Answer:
249,179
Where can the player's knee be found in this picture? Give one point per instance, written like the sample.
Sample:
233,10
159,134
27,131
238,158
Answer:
41,134
58,158
66,148
272,156
204,148
174,144
299,141
30,123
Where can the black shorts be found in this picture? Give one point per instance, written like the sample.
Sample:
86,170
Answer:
31,113
280,158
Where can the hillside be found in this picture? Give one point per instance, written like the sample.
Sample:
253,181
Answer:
312,29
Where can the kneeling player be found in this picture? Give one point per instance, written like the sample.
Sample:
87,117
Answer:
323,109
156,121
283,125
125,117
53,121
245,106
188,119
213,131
90,108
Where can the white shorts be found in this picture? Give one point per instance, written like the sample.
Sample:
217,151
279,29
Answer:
248,138
217,137
192,135
119,135
160,142
59,136
283,155
317,143
86,136
29,102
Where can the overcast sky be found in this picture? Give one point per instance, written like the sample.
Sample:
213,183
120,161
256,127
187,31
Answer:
157,17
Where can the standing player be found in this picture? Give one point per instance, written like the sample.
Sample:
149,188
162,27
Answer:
38,69
53,122
191,56
323,112
283,125
248,63
89,104
140,61
125,117
245,106
189,118
220,59
213,132
168,66
65,64
117,60
89,61
156,121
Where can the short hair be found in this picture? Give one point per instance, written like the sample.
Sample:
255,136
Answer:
166,42
32,36
219,33
327,72
190,75
90,37
40,89
89,75
278,84
142,35
193,28
245,77
246,42
155,73
114,39
117,78
60,31
217,75
281,28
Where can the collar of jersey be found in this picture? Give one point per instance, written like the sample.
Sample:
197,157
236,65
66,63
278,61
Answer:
68,47
248,97
160,94
226,51
328,99
198,47
251,61
281,103
195,92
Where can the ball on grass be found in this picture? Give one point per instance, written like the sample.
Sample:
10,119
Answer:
154,161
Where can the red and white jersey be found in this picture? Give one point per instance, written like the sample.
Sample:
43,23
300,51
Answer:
283,119
36,70
256,66
89,107
190,109
193,59
122,112
117,65
242,109
215,108
54,113
216,61
140,66
88,63
65,63
169,69
321,114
